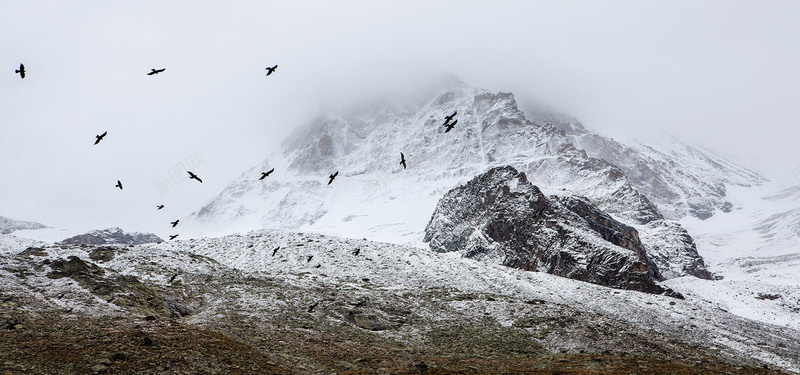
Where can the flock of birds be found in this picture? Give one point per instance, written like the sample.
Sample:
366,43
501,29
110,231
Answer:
448,125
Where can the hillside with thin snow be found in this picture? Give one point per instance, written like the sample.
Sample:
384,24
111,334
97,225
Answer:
291,296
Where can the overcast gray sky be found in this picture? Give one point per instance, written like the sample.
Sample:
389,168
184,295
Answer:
721,74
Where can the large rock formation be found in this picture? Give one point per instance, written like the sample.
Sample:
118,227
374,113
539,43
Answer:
500,216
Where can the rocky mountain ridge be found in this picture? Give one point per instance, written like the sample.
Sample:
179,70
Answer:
9,225
112,236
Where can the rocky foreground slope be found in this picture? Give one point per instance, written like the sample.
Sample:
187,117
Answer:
276,303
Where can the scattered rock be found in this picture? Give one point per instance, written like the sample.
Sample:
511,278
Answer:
367,322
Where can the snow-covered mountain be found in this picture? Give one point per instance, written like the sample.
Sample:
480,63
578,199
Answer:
375,197
8,225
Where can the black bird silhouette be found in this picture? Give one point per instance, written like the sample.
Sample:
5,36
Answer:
356,251
308,259
450,118
174,223
450,126
21,71
100,137
403,160
160,206
311,309
332,177
194,176
271,70
156,71
276,250
119,184
267,173
172,237
172,278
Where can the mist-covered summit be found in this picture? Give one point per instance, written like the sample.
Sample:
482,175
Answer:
376,198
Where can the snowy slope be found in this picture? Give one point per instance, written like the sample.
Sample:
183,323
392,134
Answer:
679,179
755,250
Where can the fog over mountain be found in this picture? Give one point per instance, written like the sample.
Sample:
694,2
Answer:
712,74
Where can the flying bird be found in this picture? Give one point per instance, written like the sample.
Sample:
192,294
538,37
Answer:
333,176
450,118
119,184
194,176
173,276
450,126
172,237
156,71
160,206
100,137
174,223
356,251
265,174
308,258
21,71
271,70
276,250
311,309
403,160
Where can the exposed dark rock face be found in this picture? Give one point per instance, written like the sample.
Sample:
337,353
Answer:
112,236
501,216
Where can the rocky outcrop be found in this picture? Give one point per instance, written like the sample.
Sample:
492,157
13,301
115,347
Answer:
112,236
125,291
500,216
